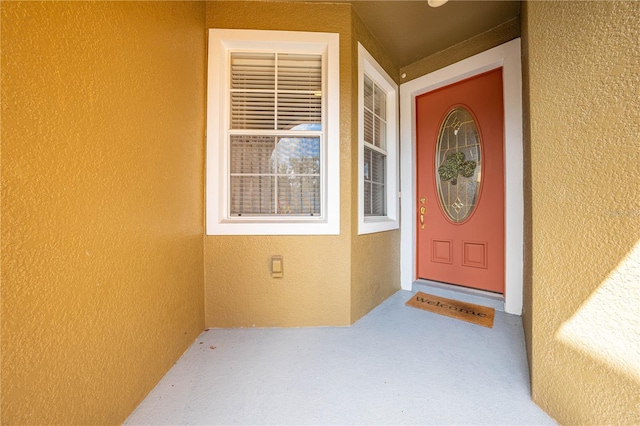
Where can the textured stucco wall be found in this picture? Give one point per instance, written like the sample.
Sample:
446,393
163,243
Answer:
584,91
375,258
102,224
315,289
485,41
528,225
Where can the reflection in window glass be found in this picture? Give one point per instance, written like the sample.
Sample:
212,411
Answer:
275,175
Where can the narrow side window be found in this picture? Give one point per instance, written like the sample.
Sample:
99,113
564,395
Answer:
377,147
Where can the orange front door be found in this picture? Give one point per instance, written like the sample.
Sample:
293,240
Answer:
460,183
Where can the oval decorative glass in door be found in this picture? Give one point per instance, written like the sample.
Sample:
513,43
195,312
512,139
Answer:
458,164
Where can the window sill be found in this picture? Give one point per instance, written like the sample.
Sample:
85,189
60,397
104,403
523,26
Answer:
372,224
274,228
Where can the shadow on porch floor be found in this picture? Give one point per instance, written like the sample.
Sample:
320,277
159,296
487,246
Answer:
397,365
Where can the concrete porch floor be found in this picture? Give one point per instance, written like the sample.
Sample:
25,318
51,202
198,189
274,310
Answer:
397,365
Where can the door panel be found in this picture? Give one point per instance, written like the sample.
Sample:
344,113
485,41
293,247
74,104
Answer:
460,183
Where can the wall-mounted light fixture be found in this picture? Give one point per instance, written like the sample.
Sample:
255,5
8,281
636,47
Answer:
436,3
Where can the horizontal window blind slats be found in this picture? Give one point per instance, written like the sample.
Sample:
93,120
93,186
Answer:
288,109
293,109
255,124
367,198
375,111
247,97
374,182
252,111
285,169
299,195
379,102
254,84
273,174
368,126
305,97
380,133
309,81
298,155
296,109
295,112
265,107
374,165
286,123
288,88
253,70
378,200
241,73
368,93
374,199
299,72
292,112
252,154
300,85
252,195
246,113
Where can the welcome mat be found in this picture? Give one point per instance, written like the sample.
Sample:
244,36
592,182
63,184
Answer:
452,308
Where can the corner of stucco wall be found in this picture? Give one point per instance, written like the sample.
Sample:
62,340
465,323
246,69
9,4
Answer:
102,249
375,258
528,237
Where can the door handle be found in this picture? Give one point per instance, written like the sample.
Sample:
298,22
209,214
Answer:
423,210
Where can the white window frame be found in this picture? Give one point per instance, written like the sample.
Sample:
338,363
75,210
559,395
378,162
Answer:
371,224
221,42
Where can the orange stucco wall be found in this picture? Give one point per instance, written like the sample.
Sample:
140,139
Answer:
102,201
583,61
328,280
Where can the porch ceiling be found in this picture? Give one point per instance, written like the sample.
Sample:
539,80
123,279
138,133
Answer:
412,30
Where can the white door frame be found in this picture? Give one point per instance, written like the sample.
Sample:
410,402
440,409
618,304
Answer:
507,56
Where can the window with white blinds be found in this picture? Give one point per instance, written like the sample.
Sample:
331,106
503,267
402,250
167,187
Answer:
375,154
378,147
273,145
275,134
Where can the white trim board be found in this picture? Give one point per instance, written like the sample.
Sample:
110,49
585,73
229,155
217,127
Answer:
371,224
221,42
506,56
